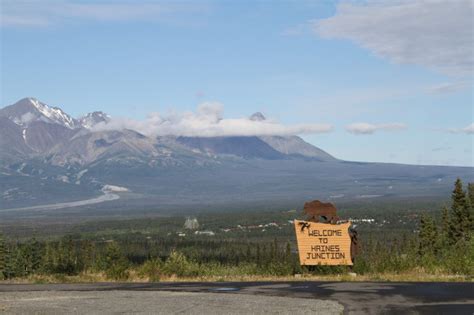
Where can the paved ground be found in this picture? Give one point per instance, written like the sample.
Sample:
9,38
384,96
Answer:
241,298
162,302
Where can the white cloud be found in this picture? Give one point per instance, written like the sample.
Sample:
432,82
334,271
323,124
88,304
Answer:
449,87
23,21
435,34
207,121
442,148
297,30
467,130
367,129
42,13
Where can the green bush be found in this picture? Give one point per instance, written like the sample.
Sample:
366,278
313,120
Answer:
116,265
151,269
279,269
178,264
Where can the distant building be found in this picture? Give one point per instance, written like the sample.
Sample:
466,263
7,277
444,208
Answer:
208,233
191,224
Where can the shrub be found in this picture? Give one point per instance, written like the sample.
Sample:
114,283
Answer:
115,263
151,269
179,265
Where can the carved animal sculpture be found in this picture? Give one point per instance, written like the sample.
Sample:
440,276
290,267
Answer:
317,209
355,244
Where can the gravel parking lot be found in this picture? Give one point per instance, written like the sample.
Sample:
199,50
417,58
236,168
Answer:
271,297
158,302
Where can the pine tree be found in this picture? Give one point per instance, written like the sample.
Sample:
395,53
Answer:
248,254
470,191
259,256
87,255
66,260
49,259
288,252
2,258
273,250
8,272
115,262
34,255
20,261
460,224
428,236
445,224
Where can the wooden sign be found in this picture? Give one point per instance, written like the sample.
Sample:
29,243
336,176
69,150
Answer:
323,243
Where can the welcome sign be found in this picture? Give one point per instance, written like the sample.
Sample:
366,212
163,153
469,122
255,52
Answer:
323,244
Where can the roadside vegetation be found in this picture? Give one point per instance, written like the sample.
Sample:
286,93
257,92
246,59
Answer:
436,245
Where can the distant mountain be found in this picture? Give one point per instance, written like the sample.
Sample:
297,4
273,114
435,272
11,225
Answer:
30,110
92,119
295,146
12,143
245,147
87,147
48,132
47,156
41,136
292,145
257,117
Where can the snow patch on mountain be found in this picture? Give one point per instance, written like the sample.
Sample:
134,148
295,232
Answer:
62,178
81,173
25,118
92,119
113,188
29,110
55,114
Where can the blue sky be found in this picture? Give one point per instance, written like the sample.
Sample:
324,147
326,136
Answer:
396,85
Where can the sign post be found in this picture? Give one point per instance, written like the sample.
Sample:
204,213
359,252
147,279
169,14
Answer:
324,243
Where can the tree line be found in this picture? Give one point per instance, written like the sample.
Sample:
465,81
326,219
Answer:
441,244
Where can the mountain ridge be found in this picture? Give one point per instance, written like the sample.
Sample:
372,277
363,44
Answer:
48,137
53,157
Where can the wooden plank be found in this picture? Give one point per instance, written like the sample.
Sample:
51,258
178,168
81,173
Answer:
323,243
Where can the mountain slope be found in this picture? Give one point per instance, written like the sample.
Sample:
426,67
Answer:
87,147
292,145
41,136
46,156
245,147
295,146
92,119
29,110
12,143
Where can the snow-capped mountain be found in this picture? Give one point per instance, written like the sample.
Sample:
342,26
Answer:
46,155
90,120
50,132
29,110
12,144
39,127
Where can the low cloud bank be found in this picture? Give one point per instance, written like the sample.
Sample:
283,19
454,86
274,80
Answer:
21,13
208,121
450,87
467,130
367,129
